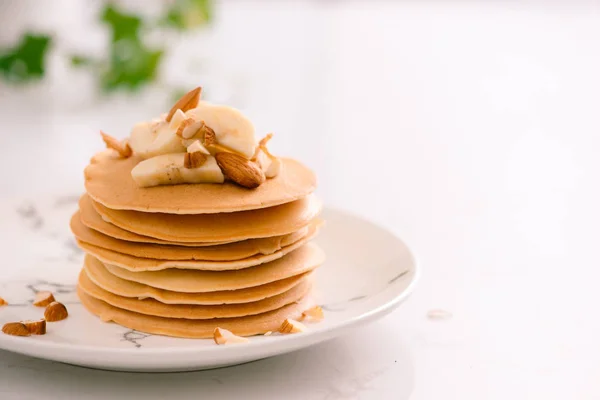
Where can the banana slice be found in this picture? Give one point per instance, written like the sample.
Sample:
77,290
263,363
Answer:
141,137
231,127
165,142
168,169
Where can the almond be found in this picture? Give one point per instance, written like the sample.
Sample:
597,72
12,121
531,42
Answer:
16,329
194,160
55,312
240,170
210,141
223,336
122,148
291,326
36,327
197,146
188,122
42,299
210,138
262,143
314,313
3,302
177,119
186,102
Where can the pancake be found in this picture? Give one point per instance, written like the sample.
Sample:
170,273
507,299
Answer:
150,264
305,259
93,220
108,181
192,311
265,222
225,252
188,328
98,274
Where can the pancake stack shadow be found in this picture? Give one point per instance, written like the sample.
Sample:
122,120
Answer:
185,274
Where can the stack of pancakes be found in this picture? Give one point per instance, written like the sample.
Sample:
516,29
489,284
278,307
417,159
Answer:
181,260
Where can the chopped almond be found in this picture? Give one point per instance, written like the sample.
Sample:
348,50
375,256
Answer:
185,124
3,302
265,140
223,336
314,313
292,326
16,329
42,299
186,102
122,148
210,138
262,143
55,312
194,160
197,146
36,327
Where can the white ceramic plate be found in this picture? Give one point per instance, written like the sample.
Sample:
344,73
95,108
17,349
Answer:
367,274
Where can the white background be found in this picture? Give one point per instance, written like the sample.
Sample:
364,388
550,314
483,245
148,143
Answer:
472,131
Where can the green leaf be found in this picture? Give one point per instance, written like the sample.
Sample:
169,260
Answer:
186,14
122,25
131,65
130,62
174,19
27,60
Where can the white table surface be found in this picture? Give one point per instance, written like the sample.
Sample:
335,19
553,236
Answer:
470,131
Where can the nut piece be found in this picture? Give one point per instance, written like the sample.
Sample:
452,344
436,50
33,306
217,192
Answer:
240,170
273,169
314,313
210,138
36,327
42,299
3,302
194,160
197,146
186,102
223,336
122,148
210,141
55,312
183,131
265,140
176,120
16,329
263,143
291,326
268,333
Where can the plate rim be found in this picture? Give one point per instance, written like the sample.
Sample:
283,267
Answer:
291,341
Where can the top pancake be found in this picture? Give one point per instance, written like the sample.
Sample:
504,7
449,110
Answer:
108,181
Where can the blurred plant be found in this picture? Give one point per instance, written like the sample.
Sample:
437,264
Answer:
129,63
184,15
26,61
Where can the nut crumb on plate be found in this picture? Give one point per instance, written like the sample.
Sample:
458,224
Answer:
223,336
42,299
55,312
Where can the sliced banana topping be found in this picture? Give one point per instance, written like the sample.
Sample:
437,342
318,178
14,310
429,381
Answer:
169,169
232,128
181,146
